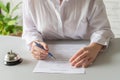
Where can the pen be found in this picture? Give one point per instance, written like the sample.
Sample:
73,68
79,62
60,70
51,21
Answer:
40,46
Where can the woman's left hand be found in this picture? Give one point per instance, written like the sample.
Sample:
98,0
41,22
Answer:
85,56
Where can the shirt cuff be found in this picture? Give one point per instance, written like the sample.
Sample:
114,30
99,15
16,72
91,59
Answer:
29,40
96,38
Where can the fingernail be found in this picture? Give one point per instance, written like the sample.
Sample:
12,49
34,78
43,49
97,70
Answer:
83,66
91,63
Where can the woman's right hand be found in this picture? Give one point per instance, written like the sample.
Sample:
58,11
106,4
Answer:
38,53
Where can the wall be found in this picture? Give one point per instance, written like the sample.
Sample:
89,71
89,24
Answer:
112,7
113,11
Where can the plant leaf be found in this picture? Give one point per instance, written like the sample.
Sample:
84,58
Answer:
1,17
12,22
8,7
8,23
3,7
16,7
15,18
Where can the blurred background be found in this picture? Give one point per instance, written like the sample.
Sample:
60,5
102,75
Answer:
112,7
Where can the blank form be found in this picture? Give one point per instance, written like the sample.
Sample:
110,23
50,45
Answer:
62,52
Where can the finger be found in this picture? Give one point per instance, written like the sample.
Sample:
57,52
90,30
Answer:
35,53
76,55
43,54
80,57
81,62
39,57
87,63
32,49
39,50
44,45
36,57
43,57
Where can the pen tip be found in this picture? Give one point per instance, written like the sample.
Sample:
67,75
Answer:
53,58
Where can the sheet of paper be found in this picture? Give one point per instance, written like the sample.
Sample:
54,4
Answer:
62,52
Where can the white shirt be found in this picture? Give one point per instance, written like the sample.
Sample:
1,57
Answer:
73,19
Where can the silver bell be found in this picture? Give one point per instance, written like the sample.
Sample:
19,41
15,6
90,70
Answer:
12,58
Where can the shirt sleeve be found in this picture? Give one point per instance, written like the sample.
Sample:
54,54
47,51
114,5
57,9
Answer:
99,24
30,32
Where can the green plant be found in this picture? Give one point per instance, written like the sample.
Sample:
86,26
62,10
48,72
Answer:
8,23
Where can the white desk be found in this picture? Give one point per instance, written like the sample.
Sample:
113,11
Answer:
106,67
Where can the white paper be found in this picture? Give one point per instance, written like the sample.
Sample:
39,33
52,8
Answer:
63,53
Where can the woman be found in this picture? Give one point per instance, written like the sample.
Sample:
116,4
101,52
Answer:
67,19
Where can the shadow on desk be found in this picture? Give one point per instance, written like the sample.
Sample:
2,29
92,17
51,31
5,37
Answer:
111,55
25,61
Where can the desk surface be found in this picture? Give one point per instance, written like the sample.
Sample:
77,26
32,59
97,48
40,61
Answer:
106,67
